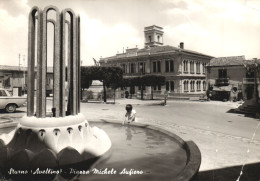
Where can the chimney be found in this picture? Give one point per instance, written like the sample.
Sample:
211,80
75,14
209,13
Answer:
181,45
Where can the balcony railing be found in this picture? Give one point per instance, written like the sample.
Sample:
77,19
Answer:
250,80
222,81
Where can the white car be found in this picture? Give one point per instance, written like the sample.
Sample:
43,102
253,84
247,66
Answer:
8,102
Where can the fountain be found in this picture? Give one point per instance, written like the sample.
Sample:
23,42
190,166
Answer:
63,137
49,145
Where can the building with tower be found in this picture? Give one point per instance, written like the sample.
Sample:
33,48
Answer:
185,70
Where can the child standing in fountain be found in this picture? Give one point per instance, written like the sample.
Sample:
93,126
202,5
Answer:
130,114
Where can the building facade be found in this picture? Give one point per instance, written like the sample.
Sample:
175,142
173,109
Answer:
15,77
185,70
231,75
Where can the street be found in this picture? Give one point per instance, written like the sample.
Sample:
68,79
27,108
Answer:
225,139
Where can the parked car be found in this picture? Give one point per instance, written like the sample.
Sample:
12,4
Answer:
8,102
219,93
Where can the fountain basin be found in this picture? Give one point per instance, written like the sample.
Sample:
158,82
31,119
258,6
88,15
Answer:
138,152
145,152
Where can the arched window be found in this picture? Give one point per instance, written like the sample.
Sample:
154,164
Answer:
192,67
198,67
204,86
198,85
185,66
185,84
192,86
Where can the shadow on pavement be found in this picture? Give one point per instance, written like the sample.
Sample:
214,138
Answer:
251,172
234,111
17,111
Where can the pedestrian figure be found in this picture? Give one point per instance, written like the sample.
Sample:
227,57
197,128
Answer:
130,114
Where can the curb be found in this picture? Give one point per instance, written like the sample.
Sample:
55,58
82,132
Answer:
193,153
8,124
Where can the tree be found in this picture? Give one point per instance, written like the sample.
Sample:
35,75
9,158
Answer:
147,80
154,80
110,76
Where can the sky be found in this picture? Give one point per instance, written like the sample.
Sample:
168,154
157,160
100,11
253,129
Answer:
213,27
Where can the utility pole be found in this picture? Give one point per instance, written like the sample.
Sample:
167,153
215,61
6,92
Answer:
23,74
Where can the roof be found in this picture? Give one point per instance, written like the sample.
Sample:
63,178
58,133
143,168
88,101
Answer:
17,68
150,51
228,61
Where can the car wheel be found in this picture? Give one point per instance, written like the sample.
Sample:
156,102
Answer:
10,108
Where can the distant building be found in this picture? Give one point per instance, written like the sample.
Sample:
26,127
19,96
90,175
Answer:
185,70
231,75
15,77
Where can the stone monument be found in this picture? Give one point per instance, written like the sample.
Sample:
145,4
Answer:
61,137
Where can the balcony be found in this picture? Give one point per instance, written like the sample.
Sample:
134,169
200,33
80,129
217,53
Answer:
250,81
222,81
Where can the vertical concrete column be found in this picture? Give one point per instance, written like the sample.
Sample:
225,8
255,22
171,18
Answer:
75,65
79,63
31,55
64,92
42,69
72,62
56,66
59,62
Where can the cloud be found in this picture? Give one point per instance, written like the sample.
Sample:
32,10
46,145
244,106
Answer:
99,39
13,31
218,28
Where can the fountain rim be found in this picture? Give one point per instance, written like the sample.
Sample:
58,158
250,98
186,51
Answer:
193,153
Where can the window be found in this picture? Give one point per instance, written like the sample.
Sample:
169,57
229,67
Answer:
192,85
222,73
203,68
185,66
132,68
3,93
169,66
158,38
156,66
192,67
142,67
198,85
204,85
166,66
186,86
150,38
198,68
170,86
